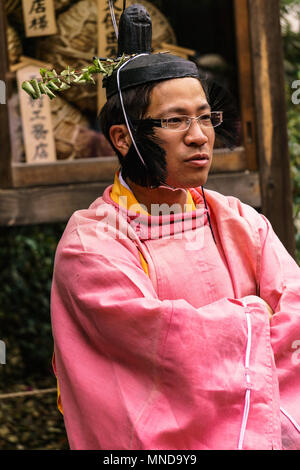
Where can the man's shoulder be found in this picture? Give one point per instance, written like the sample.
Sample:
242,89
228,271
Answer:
234,213
219,202
99,229
86,216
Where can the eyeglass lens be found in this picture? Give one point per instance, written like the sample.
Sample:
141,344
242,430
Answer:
212,119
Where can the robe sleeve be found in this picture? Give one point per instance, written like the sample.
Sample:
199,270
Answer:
280,287
136,372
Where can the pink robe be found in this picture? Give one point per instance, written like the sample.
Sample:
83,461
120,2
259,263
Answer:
176,359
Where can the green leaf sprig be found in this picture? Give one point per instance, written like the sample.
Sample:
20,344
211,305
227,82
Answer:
52,82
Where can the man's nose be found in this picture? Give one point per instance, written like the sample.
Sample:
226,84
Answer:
196,134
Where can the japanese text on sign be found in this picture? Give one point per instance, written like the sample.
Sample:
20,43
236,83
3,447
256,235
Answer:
39,17
36,120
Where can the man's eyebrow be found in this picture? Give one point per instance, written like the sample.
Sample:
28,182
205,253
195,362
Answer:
182,110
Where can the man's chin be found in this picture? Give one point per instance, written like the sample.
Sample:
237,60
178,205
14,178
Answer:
188,183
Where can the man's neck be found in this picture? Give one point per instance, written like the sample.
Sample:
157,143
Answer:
165,198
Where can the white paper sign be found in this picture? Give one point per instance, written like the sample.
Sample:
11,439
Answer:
39,17
38,134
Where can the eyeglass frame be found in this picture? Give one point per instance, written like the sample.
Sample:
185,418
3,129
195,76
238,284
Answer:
158,122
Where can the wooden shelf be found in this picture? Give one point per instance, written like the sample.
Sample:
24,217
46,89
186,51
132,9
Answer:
226,161
26,175
50,204
64,171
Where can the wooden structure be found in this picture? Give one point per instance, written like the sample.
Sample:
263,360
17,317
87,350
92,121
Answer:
257,172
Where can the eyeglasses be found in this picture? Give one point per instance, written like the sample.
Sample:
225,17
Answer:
182,123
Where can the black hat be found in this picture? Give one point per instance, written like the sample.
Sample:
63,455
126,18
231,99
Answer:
135,38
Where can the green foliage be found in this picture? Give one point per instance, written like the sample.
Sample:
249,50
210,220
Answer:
285,5
32,423
50,81
27,256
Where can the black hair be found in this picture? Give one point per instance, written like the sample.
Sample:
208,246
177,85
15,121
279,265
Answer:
136,102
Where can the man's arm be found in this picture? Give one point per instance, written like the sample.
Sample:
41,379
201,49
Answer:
137,372
280,288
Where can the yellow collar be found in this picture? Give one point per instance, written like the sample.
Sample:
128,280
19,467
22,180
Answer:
124,197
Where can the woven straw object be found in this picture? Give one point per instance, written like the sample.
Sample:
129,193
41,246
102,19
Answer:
73,136
76,43
14,45
11,6
66,122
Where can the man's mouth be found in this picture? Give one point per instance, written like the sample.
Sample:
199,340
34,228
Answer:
198,160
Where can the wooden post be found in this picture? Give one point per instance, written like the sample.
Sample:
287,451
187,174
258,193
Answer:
270,105
241,14
5,153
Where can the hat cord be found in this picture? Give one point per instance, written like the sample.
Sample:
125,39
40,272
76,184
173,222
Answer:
123,108
113,17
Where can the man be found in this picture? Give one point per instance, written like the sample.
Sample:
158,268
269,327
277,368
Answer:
175,311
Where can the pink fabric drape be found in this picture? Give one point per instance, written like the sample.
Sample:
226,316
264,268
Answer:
176,360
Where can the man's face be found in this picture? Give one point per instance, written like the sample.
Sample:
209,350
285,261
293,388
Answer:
188,153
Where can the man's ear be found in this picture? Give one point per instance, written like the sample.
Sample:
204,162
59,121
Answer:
120,138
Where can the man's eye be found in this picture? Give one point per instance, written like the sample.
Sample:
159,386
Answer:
175,120
205,117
